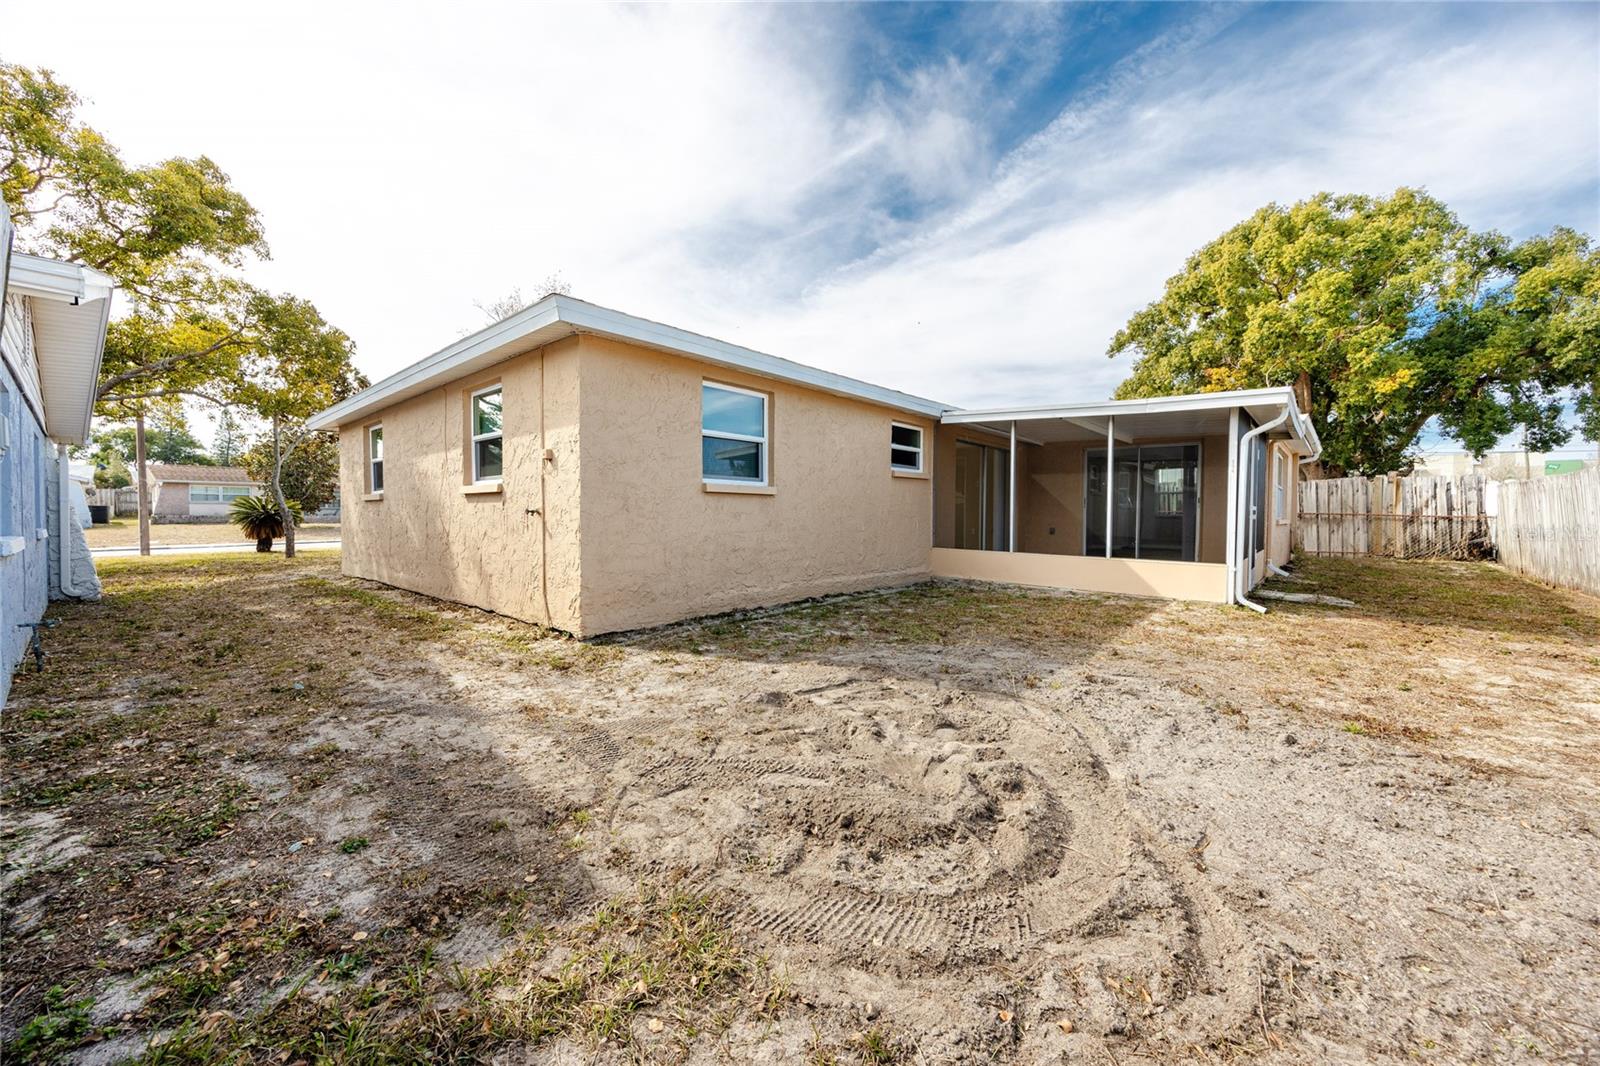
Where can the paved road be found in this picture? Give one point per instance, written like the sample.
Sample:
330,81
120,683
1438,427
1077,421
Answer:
206,549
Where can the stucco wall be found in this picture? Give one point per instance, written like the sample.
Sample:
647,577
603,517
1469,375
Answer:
1050,492
1205,582
429,534
658,547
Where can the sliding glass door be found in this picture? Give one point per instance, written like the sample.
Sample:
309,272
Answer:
1155,502
983,480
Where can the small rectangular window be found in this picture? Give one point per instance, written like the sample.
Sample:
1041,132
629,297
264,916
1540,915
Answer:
488,457
1280,492
375,458
905,448
733,434
205,494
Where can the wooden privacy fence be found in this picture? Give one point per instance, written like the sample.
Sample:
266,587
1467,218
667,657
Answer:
123,501
1549,528
1412,517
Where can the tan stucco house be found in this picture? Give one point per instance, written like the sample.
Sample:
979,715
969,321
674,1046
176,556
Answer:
189,492
586,469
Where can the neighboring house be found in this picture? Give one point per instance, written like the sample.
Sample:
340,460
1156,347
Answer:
1505,465
51,339
184,492
582,468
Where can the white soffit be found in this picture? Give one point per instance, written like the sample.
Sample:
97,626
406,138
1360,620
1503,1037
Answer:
71,307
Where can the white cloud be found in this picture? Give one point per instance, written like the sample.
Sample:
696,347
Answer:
729,170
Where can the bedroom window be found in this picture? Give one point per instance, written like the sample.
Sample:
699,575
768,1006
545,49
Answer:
733,435
375,458
488,456
905,448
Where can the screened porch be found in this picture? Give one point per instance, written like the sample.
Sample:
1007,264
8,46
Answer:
1143,497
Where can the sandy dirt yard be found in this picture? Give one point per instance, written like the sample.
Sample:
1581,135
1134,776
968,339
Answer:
255,811
124,532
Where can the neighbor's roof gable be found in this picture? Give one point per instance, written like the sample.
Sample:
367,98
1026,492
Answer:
177,473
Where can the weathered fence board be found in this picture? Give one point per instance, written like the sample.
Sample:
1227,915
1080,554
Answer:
1414,517
123,501
1549,528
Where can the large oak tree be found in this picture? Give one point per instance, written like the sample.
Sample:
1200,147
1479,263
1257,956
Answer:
1383,313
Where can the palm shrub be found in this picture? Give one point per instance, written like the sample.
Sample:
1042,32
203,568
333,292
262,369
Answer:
258,517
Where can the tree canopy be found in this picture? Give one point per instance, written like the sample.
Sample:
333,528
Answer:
1382,313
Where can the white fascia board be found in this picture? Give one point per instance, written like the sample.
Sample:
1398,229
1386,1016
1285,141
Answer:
611,323
1300,425
441,366
37,276
579,316
1194,401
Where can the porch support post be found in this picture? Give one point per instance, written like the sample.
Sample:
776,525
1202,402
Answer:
1111,488
1011,494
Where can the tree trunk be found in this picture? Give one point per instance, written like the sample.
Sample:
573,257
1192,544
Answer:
277,488
263,544
144,491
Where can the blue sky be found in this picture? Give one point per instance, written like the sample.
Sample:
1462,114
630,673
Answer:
963,201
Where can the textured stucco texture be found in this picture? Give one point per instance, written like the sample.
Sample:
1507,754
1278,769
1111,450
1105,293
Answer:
616,529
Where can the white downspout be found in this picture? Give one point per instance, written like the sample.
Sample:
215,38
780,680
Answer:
1247,459
64,522
1011,494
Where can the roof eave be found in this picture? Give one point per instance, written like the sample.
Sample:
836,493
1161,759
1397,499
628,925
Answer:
558,316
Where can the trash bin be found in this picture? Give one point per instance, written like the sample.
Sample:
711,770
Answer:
99,514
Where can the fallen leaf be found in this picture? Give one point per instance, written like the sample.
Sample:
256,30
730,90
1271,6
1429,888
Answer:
359,935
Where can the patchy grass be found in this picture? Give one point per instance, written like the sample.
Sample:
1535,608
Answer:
655,966
1456,595
934,614
219,736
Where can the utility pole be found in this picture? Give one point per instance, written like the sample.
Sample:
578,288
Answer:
144,492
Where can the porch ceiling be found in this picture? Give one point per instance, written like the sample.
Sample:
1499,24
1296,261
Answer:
1153,418
1128,427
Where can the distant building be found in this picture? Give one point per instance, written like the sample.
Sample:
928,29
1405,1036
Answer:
185,492
1503,466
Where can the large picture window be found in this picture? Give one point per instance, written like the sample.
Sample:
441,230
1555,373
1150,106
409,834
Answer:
488,439
733,434
1155,512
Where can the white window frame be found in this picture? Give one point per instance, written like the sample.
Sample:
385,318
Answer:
216,491
764,440
374,460
500,434
1280,485
893,447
